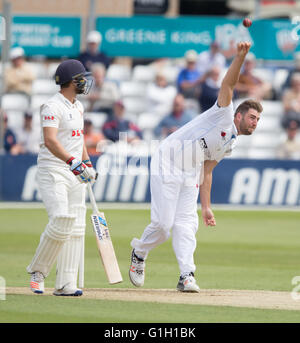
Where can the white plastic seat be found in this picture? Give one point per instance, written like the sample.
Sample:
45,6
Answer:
135,105
272,108
171,73
40,70
15,102
264,140
264,74
132,89
258,153
148,121
38,100
143,73
118,72
97,118
44,86
15,119
280,77
52,69
268,124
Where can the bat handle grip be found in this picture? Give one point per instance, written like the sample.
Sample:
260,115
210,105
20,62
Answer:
92,197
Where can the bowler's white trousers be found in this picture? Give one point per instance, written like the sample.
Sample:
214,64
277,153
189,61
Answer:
64,198
173,206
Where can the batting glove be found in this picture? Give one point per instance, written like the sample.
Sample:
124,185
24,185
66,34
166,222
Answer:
92,174
79,169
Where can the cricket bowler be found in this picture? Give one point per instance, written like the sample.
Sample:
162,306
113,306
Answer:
182,166
64,168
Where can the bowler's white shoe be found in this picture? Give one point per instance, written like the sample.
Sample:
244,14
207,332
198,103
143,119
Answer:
37,283
187,283
68,291
137,270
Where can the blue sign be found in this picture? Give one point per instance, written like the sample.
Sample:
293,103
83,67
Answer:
47,36
126,179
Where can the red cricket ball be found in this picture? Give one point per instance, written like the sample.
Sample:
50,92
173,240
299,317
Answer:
247,22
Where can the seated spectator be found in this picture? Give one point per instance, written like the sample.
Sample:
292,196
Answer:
10,142
210,88
29,136
290,149
291,101
18,76
91,137
251,86
118,128
188,77
160,95
103,93
295,69
212,57
93,53
177,118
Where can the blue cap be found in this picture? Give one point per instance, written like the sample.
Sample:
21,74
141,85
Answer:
68,70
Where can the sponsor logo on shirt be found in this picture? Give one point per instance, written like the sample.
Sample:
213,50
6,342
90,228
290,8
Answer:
77,133
48,117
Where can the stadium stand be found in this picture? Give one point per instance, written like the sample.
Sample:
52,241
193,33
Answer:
132,83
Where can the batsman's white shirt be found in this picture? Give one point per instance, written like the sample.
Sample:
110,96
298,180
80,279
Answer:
67,117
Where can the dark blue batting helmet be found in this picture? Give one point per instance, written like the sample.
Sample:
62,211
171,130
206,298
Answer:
72,70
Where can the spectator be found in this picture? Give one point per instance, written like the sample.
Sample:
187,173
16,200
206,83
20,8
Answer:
10,142
177,118
251,86
160,95
91,138
93,53
291,101
212,57
19,76
290,149
29,136
112,128
188,78
210,88
295,69
103,93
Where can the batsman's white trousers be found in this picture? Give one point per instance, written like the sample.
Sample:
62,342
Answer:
63,195
173,206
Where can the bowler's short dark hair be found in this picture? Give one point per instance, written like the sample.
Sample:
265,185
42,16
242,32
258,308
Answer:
245,106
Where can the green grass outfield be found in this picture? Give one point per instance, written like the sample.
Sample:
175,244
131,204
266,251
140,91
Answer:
248,250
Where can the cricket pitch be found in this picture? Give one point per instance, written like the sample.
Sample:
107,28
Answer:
211,297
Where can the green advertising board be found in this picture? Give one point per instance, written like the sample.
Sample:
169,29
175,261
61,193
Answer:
156,37
47,36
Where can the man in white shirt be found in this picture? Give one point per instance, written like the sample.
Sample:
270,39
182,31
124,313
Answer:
210,58
182,166
28,135
63,169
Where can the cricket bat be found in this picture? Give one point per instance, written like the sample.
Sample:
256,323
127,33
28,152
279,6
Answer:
104,242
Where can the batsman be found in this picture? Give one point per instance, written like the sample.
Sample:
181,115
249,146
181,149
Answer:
64,168
182,167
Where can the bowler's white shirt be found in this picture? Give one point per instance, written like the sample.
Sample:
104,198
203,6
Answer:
67,117
209,136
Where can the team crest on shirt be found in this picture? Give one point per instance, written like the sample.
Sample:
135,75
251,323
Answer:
70,116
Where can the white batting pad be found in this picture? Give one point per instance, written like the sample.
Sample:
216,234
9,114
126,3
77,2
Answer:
57,231
71,254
